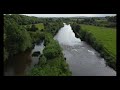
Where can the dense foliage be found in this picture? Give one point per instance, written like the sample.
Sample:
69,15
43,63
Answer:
52,62
22,19
17,39
22,32
103,21
53,27
52,48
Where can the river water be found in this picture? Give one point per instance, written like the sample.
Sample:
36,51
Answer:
21,63
83,60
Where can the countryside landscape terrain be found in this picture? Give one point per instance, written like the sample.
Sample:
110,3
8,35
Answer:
59,46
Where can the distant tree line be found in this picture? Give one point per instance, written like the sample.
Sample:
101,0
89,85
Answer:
109,21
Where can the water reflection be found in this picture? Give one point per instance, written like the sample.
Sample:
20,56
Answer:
19,64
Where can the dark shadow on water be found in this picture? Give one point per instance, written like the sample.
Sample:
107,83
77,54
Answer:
17,64
22,62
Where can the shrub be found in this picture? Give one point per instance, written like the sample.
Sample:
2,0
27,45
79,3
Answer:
52,50
42,61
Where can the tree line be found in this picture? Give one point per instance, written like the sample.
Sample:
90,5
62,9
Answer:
109,21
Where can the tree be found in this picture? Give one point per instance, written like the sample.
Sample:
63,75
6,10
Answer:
33,27
17,39
111,19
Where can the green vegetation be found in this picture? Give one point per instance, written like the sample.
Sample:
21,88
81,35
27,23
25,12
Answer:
99,21
22,19
34,27
40,26
107,36
17,39
53,67
52,48
56,25
22,32
52,62
102,39
37,36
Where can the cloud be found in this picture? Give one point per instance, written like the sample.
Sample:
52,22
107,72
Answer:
69,15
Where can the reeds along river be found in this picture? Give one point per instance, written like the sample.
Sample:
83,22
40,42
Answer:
83,60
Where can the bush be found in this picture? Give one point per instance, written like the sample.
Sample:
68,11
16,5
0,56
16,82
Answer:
56,67
33,28
48,38
52,50
42,60
17,39
37,36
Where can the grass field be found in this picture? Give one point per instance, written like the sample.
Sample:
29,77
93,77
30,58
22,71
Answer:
106,36
40,26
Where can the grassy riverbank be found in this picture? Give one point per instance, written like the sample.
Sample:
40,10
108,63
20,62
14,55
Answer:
102,39
106,36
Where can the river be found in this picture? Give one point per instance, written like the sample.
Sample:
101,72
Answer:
21,63
83,60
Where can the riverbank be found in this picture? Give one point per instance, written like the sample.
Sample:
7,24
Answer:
52,61
83,60
22,33
101,39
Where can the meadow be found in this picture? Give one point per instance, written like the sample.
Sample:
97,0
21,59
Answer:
40,26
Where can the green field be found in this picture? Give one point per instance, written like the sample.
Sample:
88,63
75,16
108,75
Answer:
40,26
106,36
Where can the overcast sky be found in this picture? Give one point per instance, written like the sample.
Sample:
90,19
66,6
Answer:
69,15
